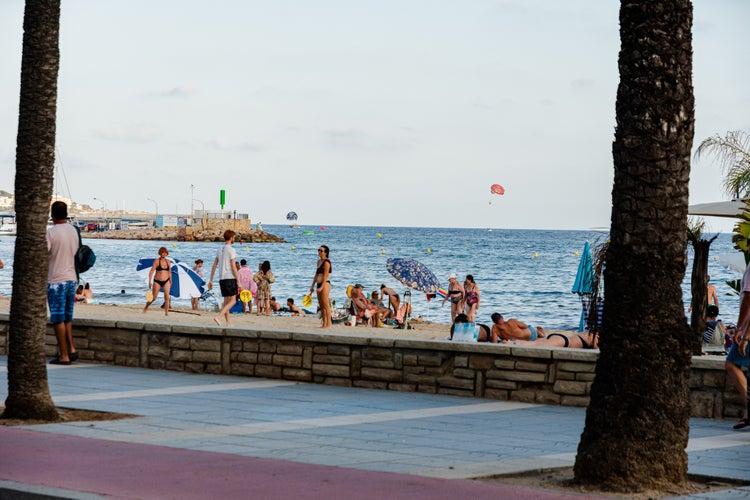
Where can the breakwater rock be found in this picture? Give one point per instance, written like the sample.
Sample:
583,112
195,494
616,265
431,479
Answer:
184,234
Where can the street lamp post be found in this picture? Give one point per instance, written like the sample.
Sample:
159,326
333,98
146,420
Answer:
156,209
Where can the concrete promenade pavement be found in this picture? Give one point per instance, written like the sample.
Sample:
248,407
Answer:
212,436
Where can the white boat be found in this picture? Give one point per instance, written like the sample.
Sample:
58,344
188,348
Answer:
8,224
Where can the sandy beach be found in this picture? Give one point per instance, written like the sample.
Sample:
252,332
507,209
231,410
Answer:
186,316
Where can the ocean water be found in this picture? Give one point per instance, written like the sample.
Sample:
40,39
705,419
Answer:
526,274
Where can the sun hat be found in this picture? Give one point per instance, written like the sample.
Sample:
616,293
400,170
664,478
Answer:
452,276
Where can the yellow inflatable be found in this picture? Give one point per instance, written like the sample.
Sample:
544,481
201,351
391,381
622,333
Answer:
307,300
246,296
349,291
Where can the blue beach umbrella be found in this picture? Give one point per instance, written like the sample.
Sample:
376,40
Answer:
185,282
584,282
413,274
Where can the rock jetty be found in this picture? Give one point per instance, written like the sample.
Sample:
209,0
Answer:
184,234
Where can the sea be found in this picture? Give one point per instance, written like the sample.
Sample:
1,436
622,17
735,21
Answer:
525,274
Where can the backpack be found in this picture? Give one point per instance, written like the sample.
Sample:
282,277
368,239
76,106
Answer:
85,257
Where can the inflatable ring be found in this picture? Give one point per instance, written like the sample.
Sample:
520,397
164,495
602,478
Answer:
246,296
149,296
307,300
349,291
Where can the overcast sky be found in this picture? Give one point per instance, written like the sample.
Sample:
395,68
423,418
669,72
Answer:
361,112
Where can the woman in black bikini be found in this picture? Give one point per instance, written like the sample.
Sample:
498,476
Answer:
456,296
322,286
160,277
575,341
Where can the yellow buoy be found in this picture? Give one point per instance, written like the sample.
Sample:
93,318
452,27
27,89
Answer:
575,253
174,244
247,248
294,248
380,235
429,250
536,255
467,244
382,250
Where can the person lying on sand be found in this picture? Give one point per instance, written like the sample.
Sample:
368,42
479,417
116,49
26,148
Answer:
512,329
583,340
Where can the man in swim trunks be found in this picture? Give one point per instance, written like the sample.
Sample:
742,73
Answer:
512,329
229,278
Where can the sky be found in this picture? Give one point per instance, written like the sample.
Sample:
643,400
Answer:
358,112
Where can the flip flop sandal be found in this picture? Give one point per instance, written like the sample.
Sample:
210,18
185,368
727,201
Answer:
741,424
57,361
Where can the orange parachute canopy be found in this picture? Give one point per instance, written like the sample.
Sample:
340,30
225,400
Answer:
497,189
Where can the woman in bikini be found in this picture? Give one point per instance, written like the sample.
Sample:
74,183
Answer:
455,295
576,341
471,294
322,286
160,278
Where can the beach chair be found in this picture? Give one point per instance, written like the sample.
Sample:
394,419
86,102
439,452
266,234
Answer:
404,312
208,302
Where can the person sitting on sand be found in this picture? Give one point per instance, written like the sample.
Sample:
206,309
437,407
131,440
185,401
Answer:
365,308
512,329
575,341
393,299
293,308
80,297
87,292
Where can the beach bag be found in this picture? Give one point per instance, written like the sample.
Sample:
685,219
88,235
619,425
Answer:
85,257
713,338
465,332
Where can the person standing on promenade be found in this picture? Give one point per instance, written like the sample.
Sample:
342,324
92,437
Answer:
393,299
471,291
263,279
228,276
739,352
160,277
246,283
455,295
322,286
62,245
194,301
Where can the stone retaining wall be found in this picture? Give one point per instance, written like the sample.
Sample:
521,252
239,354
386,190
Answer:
515,373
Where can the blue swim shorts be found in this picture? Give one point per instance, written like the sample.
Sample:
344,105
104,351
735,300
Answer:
735,357
532,330
61,297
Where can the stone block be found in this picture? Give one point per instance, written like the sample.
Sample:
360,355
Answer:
498,394
267,347
268,371
456,383
410,360
505,363
181,355
331,370
427,389
156,364
377,353
297,374
400,387
452,391
461,361
247,357
430,360
381,374
307,358
585,377
179,342
205,344
571,388
206,357
250,346
175,366
338,350
290,349
531,366
212,369
242,370
464,373
330,360
338,382
534,377
523,396
501,384
547,397
376,363
480,362
566,376
289,361
702,405
126,361
416,378
157,351
265,358
714,379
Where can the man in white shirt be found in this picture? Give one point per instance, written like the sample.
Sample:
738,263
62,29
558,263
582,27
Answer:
62,245
228,276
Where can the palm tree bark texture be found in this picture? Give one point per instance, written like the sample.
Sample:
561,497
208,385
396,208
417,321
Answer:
28,390
637,421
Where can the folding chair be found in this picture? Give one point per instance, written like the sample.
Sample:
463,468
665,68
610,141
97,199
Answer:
406,306
209,302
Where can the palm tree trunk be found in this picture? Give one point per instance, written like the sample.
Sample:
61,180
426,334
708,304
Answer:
28,390
637,421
